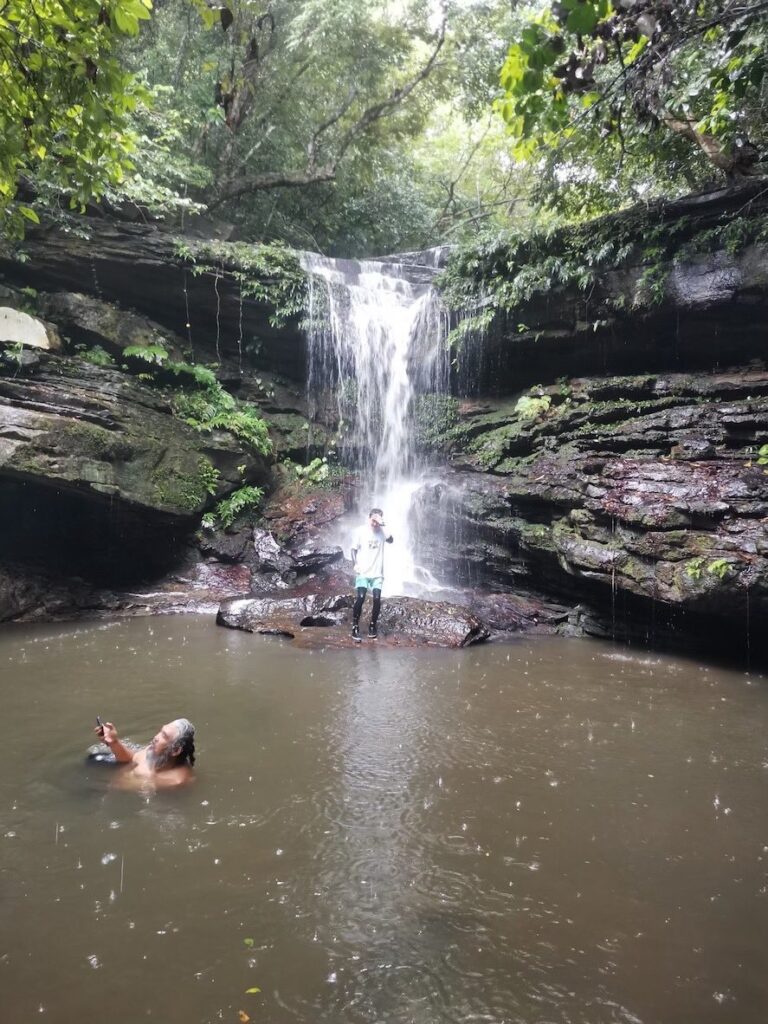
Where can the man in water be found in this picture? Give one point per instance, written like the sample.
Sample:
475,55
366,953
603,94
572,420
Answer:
166,761
368,557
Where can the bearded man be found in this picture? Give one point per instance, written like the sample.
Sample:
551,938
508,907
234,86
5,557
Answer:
167,760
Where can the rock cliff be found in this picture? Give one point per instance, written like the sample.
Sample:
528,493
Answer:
607,453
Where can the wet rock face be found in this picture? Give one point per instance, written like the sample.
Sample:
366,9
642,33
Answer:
402,619
683,297
137,267
83,429
90,320
643,488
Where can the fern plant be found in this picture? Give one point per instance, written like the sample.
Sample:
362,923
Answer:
229,509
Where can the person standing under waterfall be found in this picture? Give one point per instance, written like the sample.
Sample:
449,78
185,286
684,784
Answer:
368,558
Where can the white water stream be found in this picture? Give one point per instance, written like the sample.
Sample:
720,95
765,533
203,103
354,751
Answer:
376,345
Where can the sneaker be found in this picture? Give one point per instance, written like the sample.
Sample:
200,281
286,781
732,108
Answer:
372,631
356,632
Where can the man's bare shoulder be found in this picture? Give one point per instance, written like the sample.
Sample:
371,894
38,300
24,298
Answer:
170,777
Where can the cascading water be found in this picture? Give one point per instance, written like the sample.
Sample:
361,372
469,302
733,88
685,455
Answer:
376,359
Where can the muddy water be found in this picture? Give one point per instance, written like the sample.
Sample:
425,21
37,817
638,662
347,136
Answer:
554,831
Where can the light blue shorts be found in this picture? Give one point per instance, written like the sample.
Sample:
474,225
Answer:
369,582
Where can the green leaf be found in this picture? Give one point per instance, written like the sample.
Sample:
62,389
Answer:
252,991
29,213
582,19
249,943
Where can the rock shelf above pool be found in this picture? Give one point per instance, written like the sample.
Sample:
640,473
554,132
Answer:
318,619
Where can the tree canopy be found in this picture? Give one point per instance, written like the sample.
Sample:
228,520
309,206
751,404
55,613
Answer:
360,128
624,95
65,97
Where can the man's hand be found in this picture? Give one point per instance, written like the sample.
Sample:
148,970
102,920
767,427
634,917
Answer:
108,733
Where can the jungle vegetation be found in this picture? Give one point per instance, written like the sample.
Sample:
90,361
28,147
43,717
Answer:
362,128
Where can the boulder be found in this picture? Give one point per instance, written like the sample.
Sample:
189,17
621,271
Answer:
310,558
19,328
269,555
402,618
230,546
89,320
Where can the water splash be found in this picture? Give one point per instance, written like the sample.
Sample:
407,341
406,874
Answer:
377,359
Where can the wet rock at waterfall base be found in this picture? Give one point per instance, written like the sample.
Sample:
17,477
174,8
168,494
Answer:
310,559
270,556
226,546
297,515
314,618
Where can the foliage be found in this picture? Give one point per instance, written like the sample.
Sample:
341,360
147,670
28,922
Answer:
255,102
532,407
481,279
270,273
216,409
97,356
199,399
65,99
694,568
229,509
153,355
762,455
720,567
623,97
315,472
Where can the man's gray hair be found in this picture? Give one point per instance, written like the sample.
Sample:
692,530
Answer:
185,738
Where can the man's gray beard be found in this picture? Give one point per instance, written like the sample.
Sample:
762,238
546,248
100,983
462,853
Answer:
158,762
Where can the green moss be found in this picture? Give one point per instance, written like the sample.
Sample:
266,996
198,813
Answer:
178,489
90,441
435,416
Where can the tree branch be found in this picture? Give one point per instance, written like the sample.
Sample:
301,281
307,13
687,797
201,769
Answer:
314,172
274,179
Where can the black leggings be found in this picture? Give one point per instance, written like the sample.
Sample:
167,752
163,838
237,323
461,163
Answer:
358,605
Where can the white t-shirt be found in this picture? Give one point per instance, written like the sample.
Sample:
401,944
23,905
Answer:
368,548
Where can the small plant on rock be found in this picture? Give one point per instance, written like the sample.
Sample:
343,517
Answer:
533,407
229,509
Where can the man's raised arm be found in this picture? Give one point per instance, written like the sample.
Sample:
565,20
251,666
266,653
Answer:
121,752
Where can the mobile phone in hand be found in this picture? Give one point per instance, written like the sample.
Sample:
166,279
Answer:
99,725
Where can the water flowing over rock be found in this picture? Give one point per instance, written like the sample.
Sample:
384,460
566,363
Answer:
376,350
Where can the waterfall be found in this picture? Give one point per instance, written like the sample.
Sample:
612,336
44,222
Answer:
376,360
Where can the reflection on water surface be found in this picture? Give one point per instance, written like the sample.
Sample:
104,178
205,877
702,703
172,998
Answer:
547,831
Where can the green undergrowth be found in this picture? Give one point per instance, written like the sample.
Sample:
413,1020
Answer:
245,499
198,398
269,273
502,275
323,472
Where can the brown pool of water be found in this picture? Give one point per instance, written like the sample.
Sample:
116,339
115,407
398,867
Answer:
548,831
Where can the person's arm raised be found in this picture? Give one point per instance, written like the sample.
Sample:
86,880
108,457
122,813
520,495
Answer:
121,752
